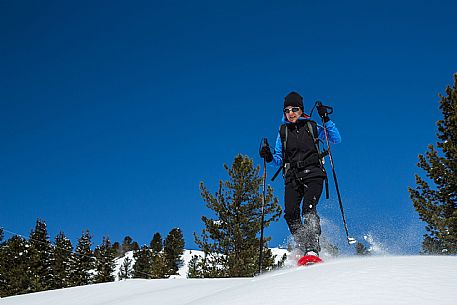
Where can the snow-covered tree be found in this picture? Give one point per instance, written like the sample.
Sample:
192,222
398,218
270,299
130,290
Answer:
63,261
104,262
83,261
437,204
14,265
125,271
41,258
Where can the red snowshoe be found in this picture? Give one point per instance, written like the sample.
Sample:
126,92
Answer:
309,259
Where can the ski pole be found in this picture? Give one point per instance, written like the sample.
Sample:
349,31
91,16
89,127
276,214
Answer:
350,240
265,143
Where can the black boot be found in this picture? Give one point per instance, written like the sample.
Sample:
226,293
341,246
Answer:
311,232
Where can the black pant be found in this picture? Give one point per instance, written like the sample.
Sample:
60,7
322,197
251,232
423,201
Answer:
306,233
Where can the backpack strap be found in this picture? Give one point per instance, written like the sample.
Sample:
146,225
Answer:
320,156
311,131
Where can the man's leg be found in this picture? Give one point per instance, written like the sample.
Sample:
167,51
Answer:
292,199
311,221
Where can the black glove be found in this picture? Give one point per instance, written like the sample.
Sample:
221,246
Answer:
323,112
265,153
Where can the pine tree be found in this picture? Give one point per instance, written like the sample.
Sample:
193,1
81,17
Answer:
230,240
14,267
41,258
128,245
63,261
116,248
195,268
143,263
104,263
135,246
156,243
173,250
437,206
160,267
1,234
207,266
125,271
83,261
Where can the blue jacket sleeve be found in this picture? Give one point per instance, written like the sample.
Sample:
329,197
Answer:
334,136
277,154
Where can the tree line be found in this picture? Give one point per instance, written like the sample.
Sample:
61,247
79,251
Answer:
35,264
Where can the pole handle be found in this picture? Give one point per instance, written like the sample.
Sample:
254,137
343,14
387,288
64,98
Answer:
329,109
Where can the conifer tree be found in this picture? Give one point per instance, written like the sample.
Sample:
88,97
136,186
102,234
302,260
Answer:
125,271
156,243
230,240
63,261
173,250
1,234
83,261
160,267
435,198
207,266
41,258
194,270
104,262
127,245
201,267
135,246
14,265
143,263
116,248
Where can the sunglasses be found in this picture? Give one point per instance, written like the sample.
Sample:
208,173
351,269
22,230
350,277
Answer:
293,109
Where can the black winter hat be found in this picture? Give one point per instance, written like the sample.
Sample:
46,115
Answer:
293,99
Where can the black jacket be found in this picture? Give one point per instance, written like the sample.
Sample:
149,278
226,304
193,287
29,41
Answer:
300,151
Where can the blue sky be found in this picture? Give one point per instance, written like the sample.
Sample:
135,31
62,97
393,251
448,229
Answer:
112,113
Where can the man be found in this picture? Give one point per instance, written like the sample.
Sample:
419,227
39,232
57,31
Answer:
296,150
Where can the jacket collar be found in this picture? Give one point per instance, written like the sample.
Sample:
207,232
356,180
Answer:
304,117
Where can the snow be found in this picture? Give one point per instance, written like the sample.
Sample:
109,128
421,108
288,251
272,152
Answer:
375,246
187,256
118,263
373,280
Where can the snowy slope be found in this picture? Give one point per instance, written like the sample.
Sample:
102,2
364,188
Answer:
414,280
